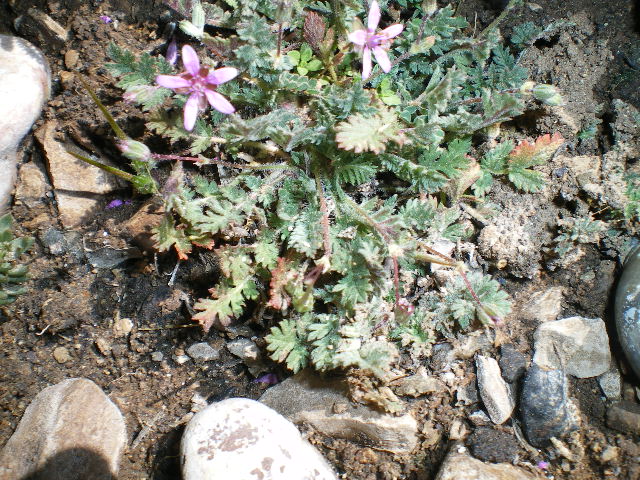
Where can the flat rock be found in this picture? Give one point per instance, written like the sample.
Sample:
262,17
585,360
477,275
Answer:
543,306
77,185
240,438
577,345
323,404
494,391
459,465
32,185
25,83
203,352
70,430
545,406
249,352
624,417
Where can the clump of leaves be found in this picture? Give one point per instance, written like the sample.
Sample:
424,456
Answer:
576,231
12,272
324,194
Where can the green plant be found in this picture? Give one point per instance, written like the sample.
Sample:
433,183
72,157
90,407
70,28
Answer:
12,273
341,186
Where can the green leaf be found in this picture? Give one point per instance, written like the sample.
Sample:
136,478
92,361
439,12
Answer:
228,301
285,344
360,134
166,235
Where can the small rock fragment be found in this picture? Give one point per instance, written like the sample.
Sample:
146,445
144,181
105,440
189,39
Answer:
180,359
419,384
611,383
157,356
490,445
103,346
479,418
577,345
72,428
459,465
50,30
203,352
71,58
61,355
240,438
609,454
624,417
545,406
543,306
32,185
307,398
249,352
512,363
493,390
122,326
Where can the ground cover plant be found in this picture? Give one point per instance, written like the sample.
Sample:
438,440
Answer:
343,143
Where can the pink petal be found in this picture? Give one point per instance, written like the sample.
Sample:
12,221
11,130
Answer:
366,63
392,31
374,16
359,37
218,102
190,60
222,75
172,81
382,58
191,111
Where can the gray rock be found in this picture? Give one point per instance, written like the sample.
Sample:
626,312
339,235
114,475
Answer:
611,383
25,83
249,352
240,438
203,352
577,345
459,465
512,363
307,398
70,430
494,391
490,445
624,417
546,408
543,306
627,309
157,356
108,257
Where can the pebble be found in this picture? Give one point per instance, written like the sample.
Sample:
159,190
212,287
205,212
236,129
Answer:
203,352
61,355
627,309
122,326
249,352
180,359
32,185
512,363
240,438
545,406
611,383
490,445
494,391
25,84
543,306
624,417
69,430
307,398
77,185
459,465
157,356
71,58
418,384
103,346
577,345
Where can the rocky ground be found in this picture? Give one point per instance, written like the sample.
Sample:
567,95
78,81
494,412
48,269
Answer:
103,307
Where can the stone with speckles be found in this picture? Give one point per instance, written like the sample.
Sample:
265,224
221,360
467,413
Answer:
627,309
240,438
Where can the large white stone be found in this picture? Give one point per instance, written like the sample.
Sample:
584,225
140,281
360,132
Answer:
494,391
577,345
25,82
240,438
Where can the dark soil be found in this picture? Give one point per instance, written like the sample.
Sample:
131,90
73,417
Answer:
594,59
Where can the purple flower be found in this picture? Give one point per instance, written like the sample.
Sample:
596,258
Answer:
172,52
268,378
118,203
369,41
106,18
543,465
200,84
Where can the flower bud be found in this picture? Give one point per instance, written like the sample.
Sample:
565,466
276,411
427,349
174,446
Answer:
547,94
133,150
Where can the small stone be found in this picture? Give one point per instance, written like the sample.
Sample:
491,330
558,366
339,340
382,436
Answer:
577,345
49,29
32,185
419,384
611,383
624,417
71,58
103,346
122,326
62,355
609,454
72,428
203,352
479,418
240,438
180,359
157,356
543,306
459,465
307,398
512,363
67,79
545,406
112,257
494,391
249,352
490,445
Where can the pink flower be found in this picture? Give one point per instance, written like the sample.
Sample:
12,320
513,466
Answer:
200,84
378,43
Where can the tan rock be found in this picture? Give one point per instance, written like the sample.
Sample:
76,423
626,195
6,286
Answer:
459,465
71,58
32,185
70,430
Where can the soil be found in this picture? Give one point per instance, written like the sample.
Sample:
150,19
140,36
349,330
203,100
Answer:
593,57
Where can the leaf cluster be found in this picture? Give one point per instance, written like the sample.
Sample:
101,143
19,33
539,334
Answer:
12,272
